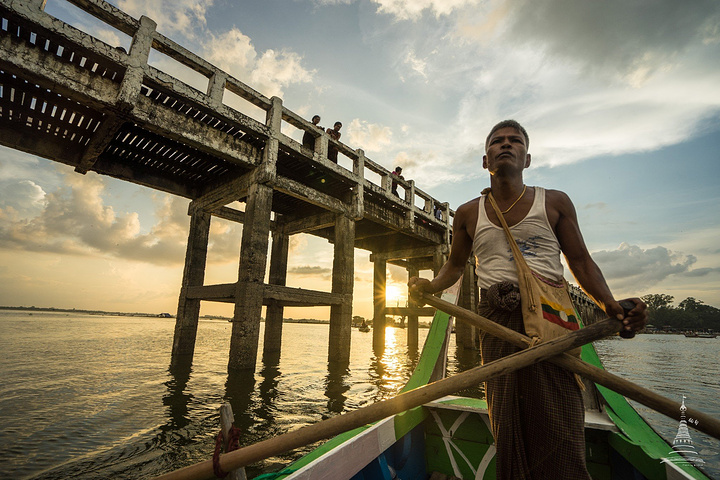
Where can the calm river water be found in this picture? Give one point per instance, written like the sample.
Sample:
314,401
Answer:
87,397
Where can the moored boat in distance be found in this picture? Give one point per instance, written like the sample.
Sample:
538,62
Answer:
700,335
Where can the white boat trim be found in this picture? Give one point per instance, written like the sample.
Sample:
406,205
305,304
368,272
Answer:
352,455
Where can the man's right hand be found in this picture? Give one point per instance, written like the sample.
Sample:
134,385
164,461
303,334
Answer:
417,286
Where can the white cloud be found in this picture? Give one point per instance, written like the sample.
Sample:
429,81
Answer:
298,243
108,36
604,78
74,219
184,17
631,40
413,9
268,73
572,116
416,64
232,51
276,70
310,271
23,198
334,2
631,268
371,137
16,165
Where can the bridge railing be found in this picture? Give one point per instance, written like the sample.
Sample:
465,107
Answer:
138,73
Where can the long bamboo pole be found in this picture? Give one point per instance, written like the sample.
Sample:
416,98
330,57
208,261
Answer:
706,424
414,398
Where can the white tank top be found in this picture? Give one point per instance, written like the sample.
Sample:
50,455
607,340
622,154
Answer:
493,258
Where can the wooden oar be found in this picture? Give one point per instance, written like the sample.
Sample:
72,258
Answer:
706,424
414,398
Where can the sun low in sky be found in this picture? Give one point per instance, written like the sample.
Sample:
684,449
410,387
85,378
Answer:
619,97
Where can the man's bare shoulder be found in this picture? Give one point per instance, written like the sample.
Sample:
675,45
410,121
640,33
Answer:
466,217
558,205
468,207
557,198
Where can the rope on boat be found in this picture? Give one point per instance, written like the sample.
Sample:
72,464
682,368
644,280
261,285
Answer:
232,444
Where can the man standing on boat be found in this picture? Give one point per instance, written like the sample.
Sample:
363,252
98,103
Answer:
536,413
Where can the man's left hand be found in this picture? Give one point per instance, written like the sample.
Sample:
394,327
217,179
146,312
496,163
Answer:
635,319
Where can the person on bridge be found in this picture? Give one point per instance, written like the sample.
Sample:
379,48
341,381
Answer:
536,413
397,173
438,212
335,135
308,139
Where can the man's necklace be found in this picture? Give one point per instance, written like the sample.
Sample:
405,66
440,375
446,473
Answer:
518,199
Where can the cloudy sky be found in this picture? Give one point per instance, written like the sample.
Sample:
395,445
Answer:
620,98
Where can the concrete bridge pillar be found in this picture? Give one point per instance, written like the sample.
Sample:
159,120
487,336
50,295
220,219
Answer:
439,259
379,281
274,314
412,320
343,277
186,322
253,251
249,290
137,64
465,334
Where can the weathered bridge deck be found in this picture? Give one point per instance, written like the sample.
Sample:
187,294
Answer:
69,97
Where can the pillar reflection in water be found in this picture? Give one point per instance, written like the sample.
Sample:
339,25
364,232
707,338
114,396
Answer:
336,386
268,390
239,390
177,398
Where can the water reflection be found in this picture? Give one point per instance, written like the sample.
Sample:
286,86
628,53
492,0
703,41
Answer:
389,371
268,390
239,389
466,359
413,354
336,385
177,397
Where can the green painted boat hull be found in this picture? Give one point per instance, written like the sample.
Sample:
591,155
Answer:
452,437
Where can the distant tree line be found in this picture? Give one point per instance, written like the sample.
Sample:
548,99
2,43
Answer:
690,314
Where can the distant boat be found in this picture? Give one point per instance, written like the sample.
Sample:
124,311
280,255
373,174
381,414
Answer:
364,328
699,335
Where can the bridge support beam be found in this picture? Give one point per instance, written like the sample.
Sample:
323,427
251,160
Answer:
253,251
379,281
412,319
466,335
439,258
343,277
186,322
272,341
250,287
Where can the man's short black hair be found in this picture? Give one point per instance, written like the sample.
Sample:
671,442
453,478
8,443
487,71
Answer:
509,123
316,116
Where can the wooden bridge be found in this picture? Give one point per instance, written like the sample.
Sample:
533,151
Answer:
69,97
